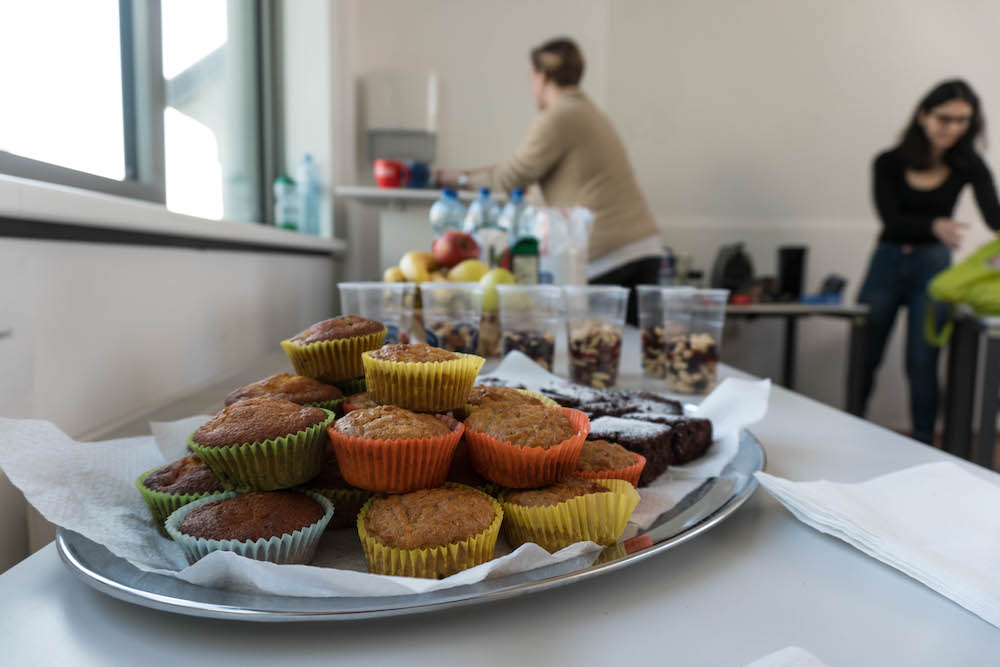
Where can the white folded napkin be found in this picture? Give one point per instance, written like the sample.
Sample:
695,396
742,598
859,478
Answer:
936,522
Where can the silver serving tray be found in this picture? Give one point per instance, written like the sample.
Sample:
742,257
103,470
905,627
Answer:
699,511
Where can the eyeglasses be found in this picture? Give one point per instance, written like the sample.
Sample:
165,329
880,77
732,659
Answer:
945,119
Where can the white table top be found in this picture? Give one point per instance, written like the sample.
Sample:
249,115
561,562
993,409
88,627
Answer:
758,582
374,195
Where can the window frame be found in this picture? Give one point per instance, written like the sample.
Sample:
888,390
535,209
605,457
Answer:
142,114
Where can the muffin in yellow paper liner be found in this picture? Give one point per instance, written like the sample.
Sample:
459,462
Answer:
422,386
332,361
434,562
598,517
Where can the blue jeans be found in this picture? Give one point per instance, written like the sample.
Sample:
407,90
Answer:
898,276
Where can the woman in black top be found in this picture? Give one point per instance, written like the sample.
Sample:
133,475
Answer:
916,186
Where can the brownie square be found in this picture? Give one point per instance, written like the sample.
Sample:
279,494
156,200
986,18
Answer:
691,436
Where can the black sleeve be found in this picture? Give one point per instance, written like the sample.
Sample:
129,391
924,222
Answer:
986,194
886,178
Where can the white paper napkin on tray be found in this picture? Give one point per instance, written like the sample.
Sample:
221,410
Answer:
90,488
936,522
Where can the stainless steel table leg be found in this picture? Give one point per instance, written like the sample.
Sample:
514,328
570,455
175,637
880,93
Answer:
854,400
986,441
960,386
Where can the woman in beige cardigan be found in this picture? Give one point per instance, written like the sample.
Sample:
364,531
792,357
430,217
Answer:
575,155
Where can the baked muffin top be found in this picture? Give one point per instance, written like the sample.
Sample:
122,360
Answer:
358,401
295,388
336,328
484,395
527,425
571,487
412,352
389,422
251,516
600,455
429,517
329,476
256,420
187,475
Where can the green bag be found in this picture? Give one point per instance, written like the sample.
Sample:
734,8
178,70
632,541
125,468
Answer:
974,282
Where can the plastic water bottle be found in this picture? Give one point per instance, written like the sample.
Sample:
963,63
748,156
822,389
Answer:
511,213
447,213
483,222
286,209
309,190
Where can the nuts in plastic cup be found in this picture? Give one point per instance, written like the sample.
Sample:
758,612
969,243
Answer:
382,302
693,356
595,322
529,320
652,332
452,312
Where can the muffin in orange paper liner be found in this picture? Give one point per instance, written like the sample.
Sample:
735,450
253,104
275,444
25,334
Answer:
595,515
489,396
600,459
525,446
392,450
419,377
455,528
330,351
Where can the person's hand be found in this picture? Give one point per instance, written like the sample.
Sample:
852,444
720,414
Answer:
948,231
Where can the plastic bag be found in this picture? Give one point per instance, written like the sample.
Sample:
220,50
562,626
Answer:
562,244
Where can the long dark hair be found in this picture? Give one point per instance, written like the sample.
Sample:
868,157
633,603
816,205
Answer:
915,149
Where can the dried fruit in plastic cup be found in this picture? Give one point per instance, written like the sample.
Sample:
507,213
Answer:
595,322
452,312
693,356
529,320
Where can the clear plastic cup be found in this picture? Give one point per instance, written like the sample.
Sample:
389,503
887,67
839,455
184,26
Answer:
693,322
595,325
452,312
652,331
383,302
529,320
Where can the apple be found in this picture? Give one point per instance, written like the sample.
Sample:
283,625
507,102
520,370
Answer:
469,271
415,266
454,246
491,301
393,275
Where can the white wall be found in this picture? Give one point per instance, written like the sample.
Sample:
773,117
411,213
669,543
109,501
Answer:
102,332
752,121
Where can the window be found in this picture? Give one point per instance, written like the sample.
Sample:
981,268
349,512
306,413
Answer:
155,99
45,118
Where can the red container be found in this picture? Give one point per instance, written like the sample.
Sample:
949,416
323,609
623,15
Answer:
391,173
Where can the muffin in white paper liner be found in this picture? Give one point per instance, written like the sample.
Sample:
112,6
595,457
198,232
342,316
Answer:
298,547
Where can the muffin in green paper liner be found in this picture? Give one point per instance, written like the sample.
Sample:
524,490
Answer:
349,387
170,487
263,444
289,535
295,388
